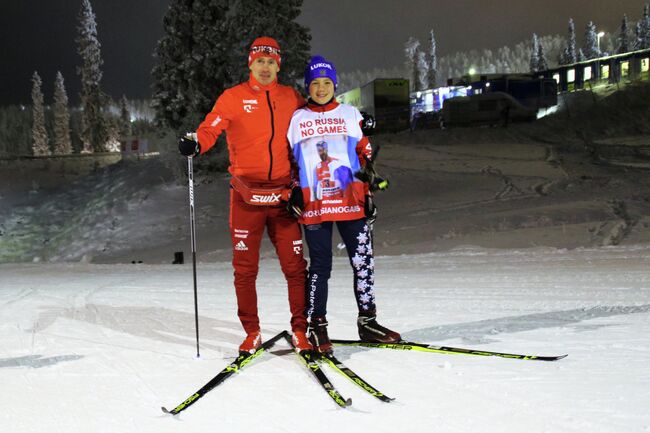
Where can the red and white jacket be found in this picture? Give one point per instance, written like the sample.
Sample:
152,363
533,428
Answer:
255,118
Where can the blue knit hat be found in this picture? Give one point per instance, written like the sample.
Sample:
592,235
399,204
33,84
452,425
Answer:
318,67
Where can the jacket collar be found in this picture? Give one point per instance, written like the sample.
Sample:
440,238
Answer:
258,87
321,108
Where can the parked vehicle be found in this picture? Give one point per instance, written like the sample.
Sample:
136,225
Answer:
492,108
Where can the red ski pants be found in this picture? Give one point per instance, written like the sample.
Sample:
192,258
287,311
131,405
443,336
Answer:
247,223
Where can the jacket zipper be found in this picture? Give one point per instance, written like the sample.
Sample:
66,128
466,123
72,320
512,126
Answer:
268,99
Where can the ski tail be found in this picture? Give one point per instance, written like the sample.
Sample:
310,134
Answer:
242,360
421,347
308,358
337,365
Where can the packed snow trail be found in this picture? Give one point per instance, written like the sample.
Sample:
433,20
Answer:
98,348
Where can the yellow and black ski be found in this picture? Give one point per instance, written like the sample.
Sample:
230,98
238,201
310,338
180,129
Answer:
337,365
409,345
242,360
309,359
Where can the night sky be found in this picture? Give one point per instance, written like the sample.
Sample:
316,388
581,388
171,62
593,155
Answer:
360,34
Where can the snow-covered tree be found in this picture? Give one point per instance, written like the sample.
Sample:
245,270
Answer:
638,36
542,64
411,48
357,78
623,45
16,123
249,19
571,46
125,118
94,132
591,49
40,145
423,71
175,97
534,53
514,59
62,142
204,50
432,77
645,27
569,54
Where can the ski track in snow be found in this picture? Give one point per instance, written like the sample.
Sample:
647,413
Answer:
99,348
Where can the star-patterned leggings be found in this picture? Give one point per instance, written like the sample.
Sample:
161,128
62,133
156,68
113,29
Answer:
358,243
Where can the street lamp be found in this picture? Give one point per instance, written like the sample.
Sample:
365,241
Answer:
599,35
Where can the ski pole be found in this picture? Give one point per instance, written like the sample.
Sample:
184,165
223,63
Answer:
190,176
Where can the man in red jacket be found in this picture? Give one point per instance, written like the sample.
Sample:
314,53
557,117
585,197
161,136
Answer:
256,115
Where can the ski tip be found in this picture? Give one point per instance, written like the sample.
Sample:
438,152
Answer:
549,358
167,411
348,402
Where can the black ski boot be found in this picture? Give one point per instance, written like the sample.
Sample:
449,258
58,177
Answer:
373,332
317,331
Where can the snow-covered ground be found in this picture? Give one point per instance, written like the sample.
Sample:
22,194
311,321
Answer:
530,239
99,348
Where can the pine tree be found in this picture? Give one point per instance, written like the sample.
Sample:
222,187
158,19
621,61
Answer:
563,57
249,19
16,137
542,64
571,55
623,45
534,54
62,142
581,56
423,70
411,64
125,118
432,77
94,132
205,49
40,145
591,49
645,27
638,36
174,98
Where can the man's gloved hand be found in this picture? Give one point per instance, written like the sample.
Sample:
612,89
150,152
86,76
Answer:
188,146
296,203
370,210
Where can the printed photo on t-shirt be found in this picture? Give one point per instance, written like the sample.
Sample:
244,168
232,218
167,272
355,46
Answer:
332,171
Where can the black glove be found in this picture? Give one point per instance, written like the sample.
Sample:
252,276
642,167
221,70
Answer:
296,203
370,210
188,147
367,124
369,175
379,183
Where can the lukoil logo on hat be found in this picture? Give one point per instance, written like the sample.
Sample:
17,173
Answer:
319,67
